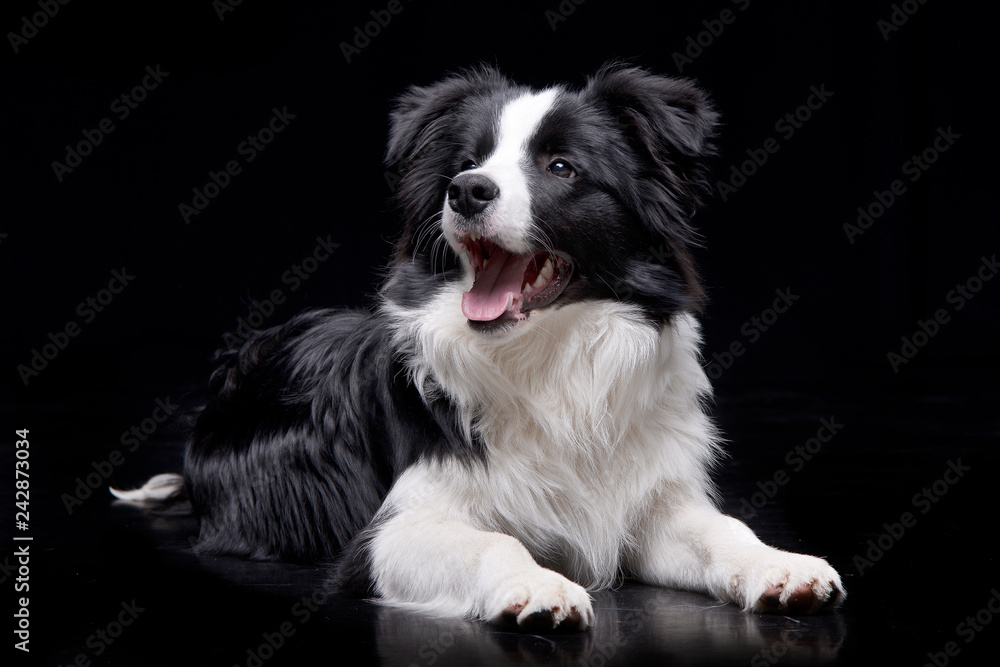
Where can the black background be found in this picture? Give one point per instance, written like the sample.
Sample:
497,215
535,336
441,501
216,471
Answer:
892,90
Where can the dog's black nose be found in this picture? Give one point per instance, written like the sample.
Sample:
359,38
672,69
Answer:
470,194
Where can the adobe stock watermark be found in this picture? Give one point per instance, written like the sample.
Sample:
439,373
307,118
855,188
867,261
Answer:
786,127
22,623
272,641
101,640
796,459
661,254
695,45
898,17
912,169
774,652
247,151
292,278
967,629
751,330
87,310
31,24
392,179
432,649
922,501
561,12
223,7
121,107
801,643
8,569
363,35
102,470
958,298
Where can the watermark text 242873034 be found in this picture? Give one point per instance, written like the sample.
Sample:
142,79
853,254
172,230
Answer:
22,583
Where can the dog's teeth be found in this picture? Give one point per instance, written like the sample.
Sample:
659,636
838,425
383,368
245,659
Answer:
475,236
548,269
527,289
540,281
510,301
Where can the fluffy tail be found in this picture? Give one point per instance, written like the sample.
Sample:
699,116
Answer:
158,490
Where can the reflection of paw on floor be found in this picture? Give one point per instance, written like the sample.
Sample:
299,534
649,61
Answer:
631,620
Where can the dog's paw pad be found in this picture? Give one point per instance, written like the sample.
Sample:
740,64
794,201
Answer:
510,614
771,599
802,600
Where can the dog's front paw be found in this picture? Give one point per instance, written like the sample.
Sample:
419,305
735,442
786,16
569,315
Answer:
541,601
777,581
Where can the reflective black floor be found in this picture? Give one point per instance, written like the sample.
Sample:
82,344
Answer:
112,585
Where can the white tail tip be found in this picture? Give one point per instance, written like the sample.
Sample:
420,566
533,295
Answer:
157,489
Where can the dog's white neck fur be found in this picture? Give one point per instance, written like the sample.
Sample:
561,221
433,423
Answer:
584,415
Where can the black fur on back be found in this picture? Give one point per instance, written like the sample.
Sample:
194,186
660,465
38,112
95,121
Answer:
306,428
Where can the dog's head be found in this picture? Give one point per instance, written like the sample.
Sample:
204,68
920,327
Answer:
549,197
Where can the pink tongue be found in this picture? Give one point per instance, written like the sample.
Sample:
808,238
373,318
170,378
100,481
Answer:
502,277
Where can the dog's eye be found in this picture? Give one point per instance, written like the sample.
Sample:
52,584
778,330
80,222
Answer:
562,169
468,164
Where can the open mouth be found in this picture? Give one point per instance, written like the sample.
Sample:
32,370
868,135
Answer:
508,286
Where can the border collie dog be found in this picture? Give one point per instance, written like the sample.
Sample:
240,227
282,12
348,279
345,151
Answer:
521,417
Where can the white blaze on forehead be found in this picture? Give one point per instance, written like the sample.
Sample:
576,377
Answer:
518,122
507,166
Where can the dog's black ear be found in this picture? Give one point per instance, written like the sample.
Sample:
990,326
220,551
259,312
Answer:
423,138
670,121
420,118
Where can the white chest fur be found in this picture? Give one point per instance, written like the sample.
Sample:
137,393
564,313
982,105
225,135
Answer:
585,415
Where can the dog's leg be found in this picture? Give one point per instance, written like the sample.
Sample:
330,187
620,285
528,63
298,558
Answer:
687,543
425,553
